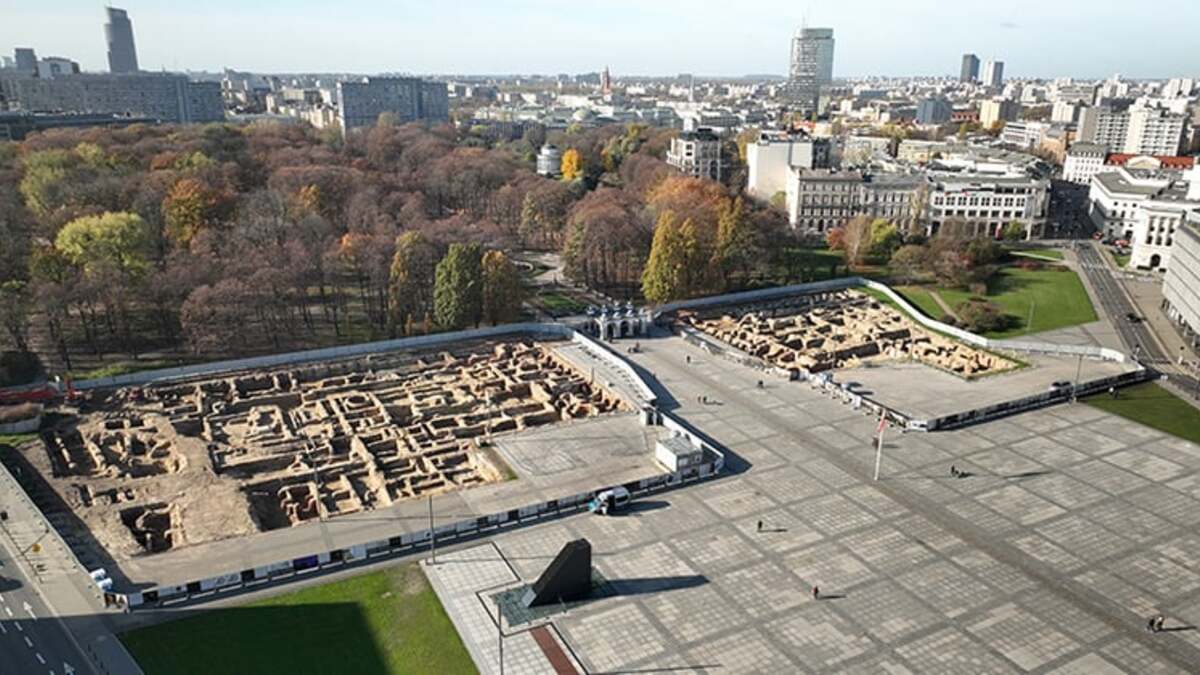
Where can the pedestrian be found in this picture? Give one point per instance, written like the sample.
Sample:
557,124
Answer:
1112,391
1158,623
954,471
816,592
687,358
760,526
760,384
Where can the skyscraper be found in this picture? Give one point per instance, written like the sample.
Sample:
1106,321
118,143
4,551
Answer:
122,55
970,68
993,74
26,59
811,69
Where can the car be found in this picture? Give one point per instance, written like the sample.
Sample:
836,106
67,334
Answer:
608,501
1059,385
1132,318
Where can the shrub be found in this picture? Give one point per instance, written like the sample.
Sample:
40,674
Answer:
18,368
979,316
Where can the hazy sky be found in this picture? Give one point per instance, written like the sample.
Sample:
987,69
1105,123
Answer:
1040,38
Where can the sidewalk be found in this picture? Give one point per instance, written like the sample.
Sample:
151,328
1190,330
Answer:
59,581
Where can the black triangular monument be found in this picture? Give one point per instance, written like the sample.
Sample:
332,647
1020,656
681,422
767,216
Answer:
569,576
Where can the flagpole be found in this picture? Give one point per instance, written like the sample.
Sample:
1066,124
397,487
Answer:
879,445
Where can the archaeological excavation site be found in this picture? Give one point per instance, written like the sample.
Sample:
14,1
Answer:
836,330
157,468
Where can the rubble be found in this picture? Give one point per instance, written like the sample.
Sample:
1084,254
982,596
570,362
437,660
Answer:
152,469
842,329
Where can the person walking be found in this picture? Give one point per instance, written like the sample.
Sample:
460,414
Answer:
816,592
760,526
1158,623
954,471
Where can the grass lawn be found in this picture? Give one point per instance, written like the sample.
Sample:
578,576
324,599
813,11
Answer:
385,622
1121,260
560,304
1150,404
1051,253
120,368
922,300
1056,298
16,439
811,264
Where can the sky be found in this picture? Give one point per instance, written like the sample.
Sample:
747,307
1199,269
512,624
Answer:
1035,38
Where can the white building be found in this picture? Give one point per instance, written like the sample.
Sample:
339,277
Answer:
993,73
819,200
996,109
697,153
774,154
1181,285
1146,207
988,203
1024,134
1083,161
1065,111
549,161
1145,131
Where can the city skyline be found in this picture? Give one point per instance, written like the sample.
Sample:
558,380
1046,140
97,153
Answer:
633,39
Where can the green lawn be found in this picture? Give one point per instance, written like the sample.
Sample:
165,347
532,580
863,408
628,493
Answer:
120,368
1051,253
810,264
1055,298
560,304
385,622
1153,406
922,300
16,439
1121,260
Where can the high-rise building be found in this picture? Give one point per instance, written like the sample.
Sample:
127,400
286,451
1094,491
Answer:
993,74
997,109
811,69
933,110
26,60
361,102
118,32
1143,131
161,96
605,82
970,68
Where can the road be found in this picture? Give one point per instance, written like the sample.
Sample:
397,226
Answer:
32,640
1136,335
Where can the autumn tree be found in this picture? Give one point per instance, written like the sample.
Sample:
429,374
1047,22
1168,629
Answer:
458,288
503,292
189,207
856,240
411,279
665,276
116,239
572,165
908,261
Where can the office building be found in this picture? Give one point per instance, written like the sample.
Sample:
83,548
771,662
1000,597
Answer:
934,110
118,33
1147,207
970,68
1026,135
988,202
361,102
160,96
1083,161
820,200
811,68
697,153
772,156
25,60
1066,112
993,74
1142,131
1181,285
996,110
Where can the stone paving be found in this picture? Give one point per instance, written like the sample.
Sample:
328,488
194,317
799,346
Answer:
1073,527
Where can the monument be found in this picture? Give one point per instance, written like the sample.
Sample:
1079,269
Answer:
569,576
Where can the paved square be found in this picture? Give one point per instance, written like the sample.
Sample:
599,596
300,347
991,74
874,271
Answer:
1073,528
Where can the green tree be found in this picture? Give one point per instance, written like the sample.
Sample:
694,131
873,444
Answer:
458,288
410,280
885,238
503,292
1013,231
666,276
118,240
908,261
736,251
42,183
